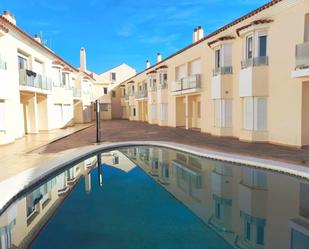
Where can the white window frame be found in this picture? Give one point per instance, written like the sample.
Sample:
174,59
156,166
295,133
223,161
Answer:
223,111
255,113
2,116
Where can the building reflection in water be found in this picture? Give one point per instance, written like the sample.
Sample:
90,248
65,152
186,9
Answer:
250,208
247,207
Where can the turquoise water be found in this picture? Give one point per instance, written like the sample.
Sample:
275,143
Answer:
129,211
150,197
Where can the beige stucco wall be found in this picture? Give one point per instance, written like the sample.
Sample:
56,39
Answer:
285,95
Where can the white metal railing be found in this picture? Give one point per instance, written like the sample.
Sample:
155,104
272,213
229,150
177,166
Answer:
141,94
302,55
29,78
222,70
256,61
190,82
77,92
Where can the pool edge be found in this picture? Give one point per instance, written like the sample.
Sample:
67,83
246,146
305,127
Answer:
12,188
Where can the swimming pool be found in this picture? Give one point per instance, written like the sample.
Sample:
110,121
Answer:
152,197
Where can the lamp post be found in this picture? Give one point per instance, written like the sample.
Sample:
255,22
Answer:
97,111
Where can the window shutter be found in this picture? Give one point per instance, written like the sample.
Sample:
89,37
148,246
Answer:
195,67
227,113
260,114
227,55
180,72
2,116
164,112
248,113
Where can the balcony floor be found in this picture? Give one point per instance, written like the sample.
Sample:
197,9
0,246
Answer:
133,131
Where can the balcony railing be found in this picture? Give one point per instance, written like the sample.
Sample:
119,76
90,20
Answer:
222,70
29,78
3,64
77,92
187,83
163,85
153,88
302,55
256,61
141,94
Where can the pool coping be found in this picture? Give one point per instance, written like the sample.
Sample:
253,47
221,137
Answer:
12,188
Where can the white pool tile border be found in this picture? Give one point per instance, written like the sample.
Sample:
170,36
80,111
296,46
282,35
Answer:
11,187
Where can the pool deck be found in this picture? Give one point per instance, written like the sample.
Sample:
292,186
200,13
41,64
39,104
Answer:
123,130
18,156
25,157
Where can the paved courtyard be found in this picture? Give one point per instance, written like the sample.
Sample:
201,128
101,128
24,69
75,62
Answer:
123,130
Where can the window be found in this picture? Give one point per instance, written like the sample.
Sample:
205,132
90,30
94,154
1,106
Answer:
218,211
133,89
249,47
113,76
164,112
247,231
2,116
306,38
217,58
262,45
260,235
65,79
195,67
22,63
113,94
180,72
105,90
134,111
255,113
223,113
198,109
104,107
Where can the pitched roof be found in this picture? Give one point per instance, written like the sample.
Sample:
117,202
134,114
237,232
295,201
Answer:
29,37
231,24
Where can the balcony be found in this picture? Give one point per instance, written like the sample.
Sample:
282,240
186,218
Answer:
302,61
32,82
253,62
141,94
187,85
222,70
77,93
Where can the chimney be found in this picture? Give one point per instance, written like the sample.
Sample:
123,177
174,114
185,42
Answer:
83,60
200,33
37,37
195,35
147,64
9,16
159,57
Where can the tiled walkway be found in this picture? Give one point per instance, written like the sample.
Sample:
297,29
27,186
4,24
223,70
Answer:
18,156
121,130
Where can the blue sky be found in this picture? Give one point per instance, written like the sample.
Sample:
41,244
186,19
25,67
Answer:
117,31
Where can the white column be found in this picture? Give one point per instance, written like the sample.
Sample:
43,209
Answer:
33,115
187,111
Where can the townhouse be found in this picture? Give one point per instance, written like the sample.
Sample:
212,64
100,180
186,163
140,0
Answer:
248,80
40,91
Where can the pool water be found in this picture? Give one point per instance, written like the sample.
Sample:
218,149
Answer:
150,197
